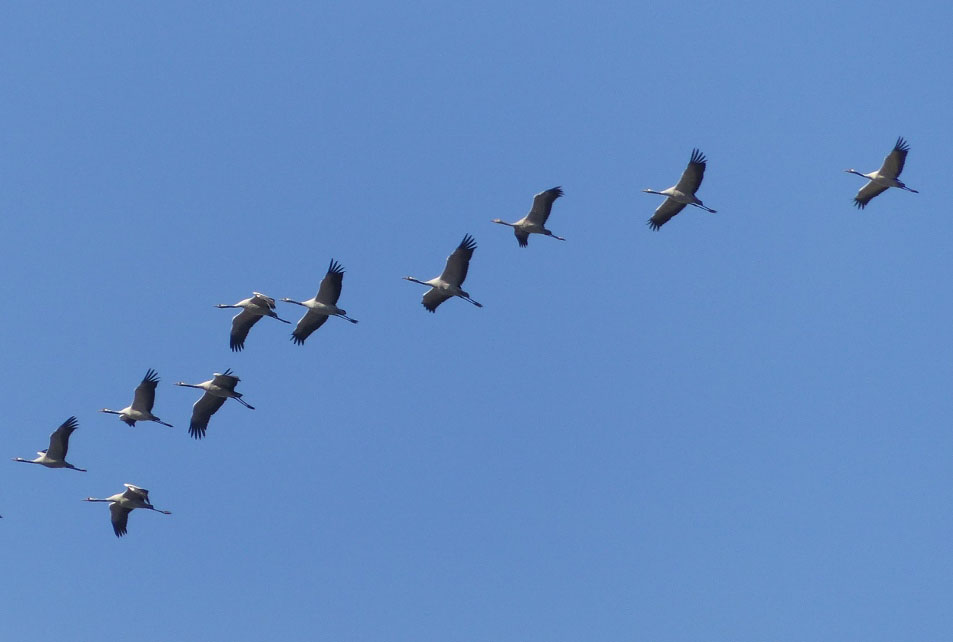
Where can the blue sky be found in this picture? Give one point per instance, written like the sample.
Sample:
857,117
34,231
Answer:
736,428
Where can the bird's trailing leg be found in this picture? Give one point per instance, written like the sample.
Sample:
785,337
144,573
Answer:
244,403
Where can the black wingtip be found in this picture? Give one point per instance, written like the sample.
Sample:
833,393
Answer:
652,224
859,204
901,145
335,268
151,376
698,157
196,432
468,243
298,341
71,424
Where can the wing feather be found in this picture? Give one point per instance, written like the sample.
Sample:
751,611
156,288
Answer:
893,163
434,297
692,177
241,325
330,290
867,192
543,205
120,518
59,439
458,264
146,392
202,411
310,322
669,208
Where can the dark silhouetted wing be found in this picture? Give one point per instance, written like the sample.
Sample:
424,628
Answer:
241,324
458,263
202,411
669,208
330,290
867,192
59,440
433,298
120,517
146,392
692,177
543,205
310,322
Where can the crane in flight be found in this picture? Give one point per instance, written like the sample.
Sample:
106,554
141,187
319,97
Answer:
323,305
447,285
253,308
55,455
142,402
218,389
535,221
682,193
121,504
885,177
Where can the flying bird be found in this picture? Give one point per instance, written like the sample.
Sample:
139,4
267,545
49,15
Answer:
121,504
217,390
145,398
885,177
55,455
323,305
681,194
535,221
448,284
253,309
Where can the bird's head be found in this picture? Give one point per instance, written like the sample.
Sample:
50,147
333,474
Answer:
496,220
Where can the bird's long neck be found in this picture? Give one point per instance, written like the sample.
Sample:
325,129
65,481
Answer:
225,305
71,466
188,385
502,222
94,499
410,278
25,461
854,171
112,412
293,301
652,191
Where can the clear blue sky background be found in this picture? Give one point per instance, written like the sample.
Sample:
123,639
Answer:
737,428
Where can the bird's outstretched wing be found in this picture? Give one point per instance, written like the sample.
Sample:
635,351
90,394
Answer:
867,192
310,322
458,263
59,440
669,208
434,297
120,518
225,379
241,324
202,411
893,163
692,177
263,301
543,205
146,392
330,290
